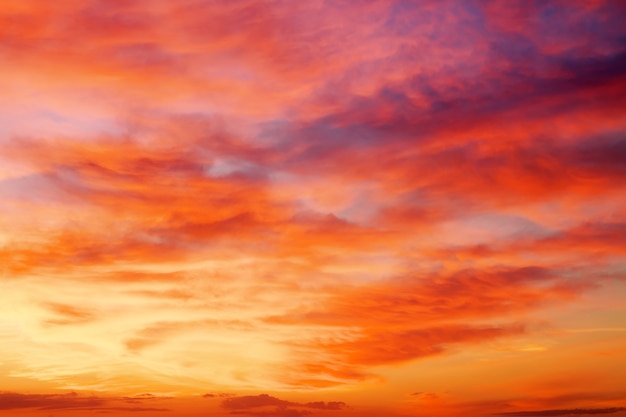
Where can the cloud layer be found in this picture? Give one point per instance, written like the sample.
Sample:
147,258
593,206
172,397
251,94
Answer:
277,195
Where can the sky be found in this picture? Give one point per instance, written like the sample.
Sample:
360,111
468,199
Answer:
326,208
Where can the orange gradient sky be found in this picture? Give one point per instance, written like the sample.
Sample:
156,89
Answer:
340,208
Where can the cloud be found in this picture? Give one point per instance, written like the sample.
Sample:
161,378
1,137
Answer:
572,245
109,174
252,401
70,401
566,412
278,412
11,401
139,398
378,347
437,298
376,323
428,396
68,314
218,395
321,405
388,332
254,405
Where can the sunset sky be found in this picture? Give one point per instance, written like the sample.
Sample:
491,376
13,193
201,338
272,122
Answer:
325,208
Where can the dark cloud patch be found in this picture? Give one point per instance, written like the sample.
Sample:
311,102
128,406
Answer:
71,401
531,86
142,398
425,395
252,401
11,401
564,412
256,405
278,412
321,405
589,71
604,155
218,395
